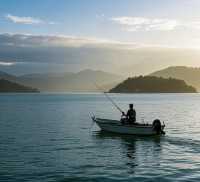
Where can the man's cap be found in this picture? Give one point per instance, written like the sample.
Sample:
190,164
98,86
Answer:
131,105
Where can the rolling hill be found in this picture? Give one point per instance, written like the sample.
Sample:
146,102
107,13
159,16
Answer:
190,75
152,84
6,76
8,86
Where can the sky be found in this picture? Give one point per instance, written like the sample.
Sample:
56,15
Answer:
99,24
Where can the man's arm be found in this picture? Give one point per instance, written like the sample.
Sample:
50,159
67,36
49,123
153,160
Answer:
134,113
127,114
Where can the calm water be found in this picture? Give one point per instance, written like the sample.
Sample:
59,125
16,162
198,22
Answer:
48,137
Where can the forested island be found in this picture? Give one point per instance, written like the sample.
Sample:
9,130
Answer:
8,86
152,84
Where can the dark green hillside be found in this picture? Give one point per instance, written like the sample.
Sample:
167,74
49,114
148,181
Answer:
152,84
8,86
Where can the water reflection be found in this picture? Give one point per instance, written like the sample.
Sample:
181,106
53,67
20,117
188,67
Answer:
136,151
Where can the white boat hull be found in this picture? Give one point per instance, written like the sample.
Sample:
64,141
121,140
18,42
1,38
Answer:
116,126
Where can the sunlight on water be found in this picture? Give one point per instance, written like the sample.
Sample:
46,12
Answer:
48,137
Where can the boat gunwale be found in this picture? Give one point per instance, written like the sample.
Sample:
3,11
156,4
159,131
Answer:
102,121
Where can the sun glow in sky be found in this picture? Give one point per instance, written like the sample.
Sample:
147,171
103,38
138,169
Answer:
124,24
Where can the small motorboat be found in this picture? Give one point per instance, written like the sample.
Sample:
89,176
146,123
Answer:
121,127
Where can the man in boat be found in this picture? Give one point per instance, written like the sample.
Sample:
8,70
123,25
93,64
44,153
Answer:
131,114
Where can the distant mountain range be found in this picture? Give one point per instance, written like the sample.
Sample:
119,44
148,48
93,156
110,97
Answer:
190,75
84,81
8,86
61,82
152,84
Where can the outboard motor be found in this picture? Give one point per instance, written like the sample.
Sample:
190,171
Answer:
157,127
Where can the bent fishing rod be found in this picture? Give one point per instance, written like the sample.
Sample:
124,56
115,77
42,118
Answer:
109,98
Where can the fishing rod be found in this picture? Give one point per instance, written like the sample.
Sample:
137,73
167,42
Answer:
107,96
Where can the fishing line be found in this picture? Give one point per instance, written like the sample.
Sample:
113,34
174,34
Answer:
107,96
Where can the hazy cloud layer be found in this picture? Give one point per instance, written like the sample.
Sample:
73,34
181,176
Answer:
27,53
26,40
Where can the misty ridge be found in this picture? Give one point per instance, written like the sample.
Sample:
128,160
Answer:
190,75
61,82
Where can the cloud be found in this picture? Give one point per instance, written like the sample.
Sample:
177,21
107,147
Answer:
2,63
193,25
52,23
100,16
23,20
132,24
145,24
27,20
